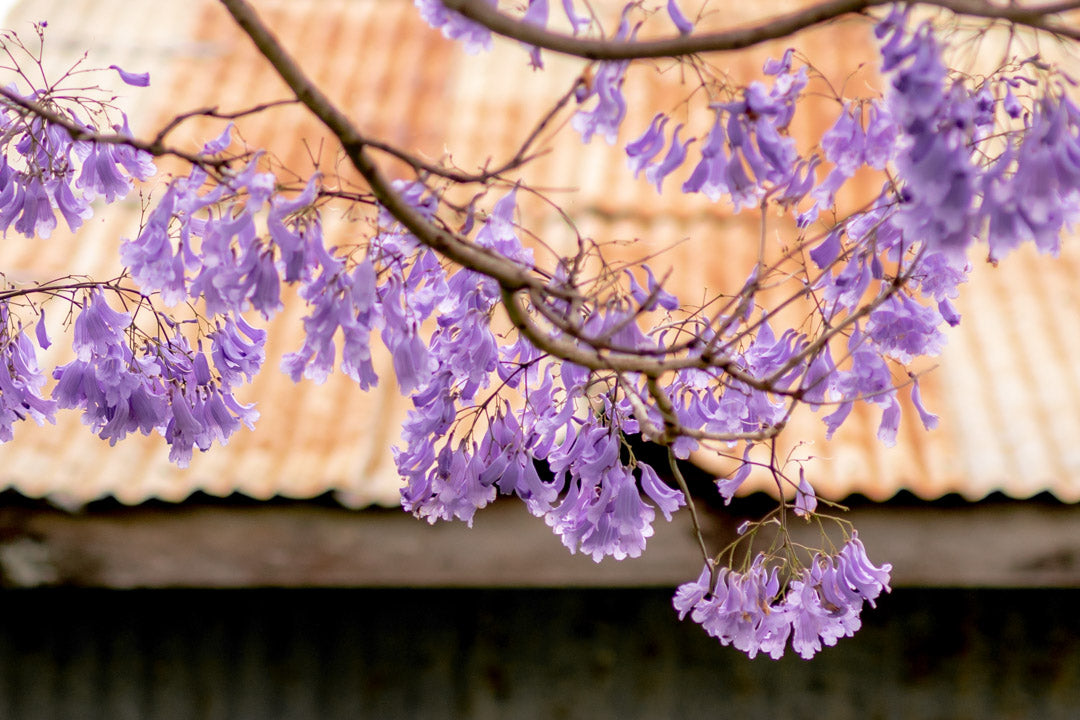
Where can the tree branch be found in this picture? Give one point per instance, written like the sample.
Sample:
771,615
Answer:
743,37
80,132
509,274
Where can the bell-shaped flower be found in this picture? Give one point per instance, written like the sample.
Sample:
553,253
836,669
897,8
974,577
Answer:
135,79
536,14
845,142
642,150
666,498
805,497
675,156
684,26
220,143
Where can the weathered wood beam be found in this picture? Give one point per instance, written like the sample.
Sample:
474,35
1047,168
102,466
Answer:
299,545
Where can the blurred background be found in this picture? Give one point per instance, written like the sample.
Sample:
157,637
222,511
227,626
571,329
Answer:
276,578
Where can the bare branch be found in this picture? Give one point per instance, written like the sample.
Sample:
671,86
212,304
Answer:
743,37
509,274
79,132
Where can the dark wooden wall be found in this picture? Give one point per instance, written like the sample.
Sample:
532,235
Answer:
156,655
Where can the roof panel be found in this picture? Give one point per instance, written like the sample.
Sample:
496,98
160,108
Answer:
1008,395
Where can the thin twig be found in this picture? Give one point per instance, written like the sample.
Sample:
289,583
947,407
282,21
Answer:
681,482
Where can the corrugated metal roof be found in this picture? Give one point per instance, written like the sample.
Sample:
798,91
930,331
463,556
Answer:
1006,389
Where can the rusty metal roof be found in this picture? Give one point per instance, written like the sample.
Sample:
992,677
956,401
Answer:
1005,388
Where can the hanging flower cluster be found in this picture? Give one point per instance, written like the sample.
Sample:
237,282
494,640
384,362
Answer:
754,612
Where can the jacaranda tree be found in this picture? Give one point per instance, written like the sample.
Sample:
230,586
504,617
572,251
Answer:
530,373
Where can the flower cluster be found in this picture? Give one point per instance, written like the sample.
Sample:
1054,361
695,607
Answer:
1032,190
218,256
166,387
593,499
50,171
21,379
745,154
605,85
753,613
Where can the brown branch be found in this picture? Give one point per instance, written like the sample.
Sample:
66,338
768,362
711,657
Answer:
743,37
79,132
578,350
509,274
601,49
213,112
681,482
521,157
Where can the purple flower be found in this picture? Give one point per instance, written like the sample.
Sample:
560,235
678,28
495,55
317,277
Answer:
818,378
151,258
577,22
781,66
903,329
800,183
710,174
21,381
512,468
40,333
337,300
749,611
606,86
74,209
846,288
845,142
814,619
1011,104
238,351
880,138
36,216
688,595
825,192
183,430
929,420
675,156
744,191
412,362
684,26
536,14
866,579
890,423
666,498
455,26
655,295
602,512
99,328
296,231
456,487
644,149
118,392
828,250
220,143
610,109
728,488
740,610
805,497
101,172
135,79
949,312
939,275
